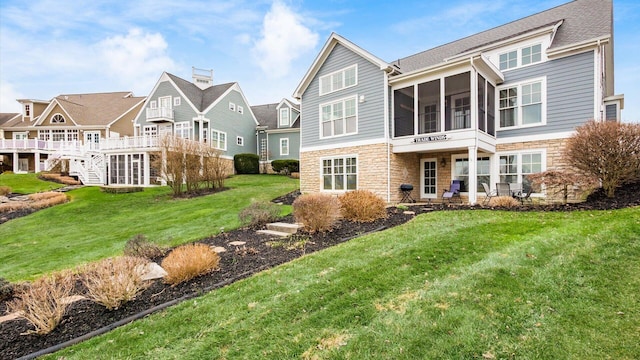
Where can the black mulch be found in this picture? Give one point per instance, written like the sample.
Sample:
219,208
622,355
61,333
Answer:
237,262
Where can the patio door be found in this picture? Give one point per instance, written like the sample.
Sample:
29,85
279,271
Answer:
92,140
428,178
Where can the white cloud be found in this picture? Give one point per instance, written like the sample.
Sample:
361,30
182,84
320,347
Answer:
284,38
136,60
8,96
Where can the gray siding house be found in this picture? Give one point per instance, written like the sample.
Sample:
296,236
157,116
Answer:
491,107
279,130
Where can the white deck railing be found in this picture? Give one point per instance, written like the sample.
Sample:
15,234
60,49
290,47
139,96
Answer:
36,144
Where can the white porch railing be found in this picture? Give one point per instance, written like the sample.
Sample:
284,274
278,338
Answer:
36,144
159,113
127,142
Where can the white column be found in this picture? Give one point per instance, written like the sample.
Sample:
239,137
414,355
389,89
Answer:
473,175
36,160
15,162
146,159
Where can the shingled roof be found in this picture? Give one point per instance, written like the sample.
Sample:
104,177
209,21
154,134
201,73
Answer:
267,115
5,117
98,108
583,20
201,99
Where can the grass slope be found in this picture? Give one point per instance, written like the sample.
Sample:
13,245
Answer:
26,183
464,284
96,225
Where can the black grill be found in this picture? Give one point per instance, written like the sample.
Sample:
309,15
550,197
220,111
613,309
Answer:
406,187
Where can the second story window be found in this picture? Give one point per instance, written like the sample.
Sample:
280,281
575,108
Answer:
183,129
176,101
520,57
284,117
522,104
531,54
57,119
232,106
339,118
339,80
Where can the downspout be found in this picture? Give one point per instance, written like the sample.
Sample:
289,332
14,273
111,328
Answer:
386,133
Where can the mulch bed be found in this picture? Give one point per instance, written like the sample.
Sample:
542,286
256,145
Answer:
238,262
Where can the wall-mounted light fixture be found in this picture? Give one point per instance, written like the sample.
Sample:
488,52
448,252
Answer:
443,162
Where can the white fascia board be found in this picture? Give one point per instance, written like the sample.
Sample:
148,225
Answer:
578,47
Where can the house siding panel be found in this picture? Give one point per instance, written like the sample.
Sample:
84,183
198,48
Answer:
370,112
274,146
570,94
234,124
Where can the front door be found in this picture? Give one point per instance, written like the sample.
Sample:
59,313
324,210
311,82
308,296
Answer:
92,140
428,178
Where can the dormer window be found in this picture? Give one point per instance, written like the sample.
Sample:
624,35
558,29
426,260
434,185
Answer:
27,110
57,119
520,57
284,116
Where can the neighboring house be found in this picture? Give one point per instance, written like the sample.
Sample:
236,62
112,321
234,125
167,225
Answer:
491,107
218,115
68,127
279,130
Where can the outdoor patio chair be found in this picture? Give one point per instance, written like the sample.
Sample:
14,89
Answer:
452,192
516,189
488,193
525,197
503,189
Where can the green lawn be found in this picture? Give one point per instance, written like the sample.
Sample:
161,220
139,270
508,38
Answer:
26,183
95,225
447,285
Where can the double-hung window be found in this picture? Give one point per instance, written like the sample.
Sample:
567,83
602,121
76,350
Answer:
340,173
339,118
219,139
284,146
523,104
339,80
514,168
183,129
284,117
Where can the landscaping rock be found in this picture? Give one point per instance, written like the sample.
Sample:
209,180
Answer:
219,249
151,271
237,243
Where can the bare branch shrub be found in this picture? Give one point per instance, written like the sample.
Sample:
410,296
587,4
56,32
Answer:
609,151
214,168
142,247
192,165
362,206
114,281
5,190
558,182
188,261
318,212
504,201
259,212
172,167
43,303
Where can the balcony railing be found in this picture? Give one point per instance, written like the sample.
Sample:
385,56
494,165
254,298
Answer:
36,144
160,114
129,142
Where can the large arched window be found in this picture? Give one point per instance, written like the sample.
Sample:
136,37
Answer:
57,119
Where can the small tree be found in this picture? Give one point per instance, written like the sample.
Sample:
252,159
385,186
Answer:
609,151
558,182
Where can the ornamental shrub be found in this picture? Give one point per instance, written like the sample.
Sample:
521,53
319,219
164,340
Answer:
114,281
504,201
142,247
5,190
317,212
362,206
246,163
286,166
188,261
259,212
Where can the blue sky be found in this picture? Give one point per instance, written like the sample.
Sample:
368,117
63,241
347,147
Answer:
50,47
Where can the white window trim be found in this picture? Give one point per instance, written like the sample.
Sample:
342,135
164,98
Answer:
343,100
149,128
64,120
543,98
153,104
491,157
239,141
232,106
240,110
518,50
176,101
282,153
280,117
518,154
216,144
20,135
328,76
168,102
183,125
321,174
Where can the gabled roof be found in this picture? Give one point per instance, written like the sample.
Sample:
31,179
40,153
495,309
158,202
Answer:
582,21
333,40
98,109
201,99
289,103
267,114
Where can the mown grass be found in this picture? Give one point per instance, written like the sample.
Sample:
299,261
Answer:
26,183
95,225
448,285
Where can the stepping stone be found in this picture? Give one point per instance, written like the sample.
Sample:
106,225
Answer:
273,233
219,249
237,243
284,227
151,271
